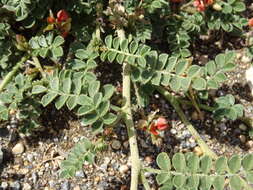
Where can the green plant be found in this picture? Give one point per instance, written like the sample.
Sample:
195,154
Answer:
52,61
189,171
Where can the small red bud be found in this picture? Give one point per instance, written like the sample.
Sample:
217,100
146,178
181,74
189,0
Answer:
62,16
153,129
50,20
161,123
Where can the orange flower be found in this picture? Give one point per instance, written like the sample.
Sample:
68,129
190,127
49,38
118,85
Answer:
250,22
50,20
202,4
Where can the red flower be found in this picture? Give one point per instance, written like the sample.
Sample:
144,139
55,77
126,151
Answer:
250,22
153,129
62,16
202,4
50,20
161,123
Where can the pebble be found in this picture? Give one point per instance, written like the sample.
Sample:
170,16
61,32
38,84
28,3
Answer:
1,155
77,188
18,148
65,185
15,185
223,126
51,183
126,144
26,186
198,151
245,59
116,144
242,138
34,178
243,127
4,185
173,131
249,78
148,159
249,144
80,174
123,169
30,157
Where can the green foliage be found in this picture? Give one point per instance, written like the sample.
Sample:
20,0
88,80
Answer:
229,17
188,171
17,98
226,107
79,91
81,152
47,46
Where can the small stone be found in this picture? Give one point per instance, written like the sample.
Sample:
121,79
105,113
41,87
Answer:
186,134
245,59
24,171
4,185
30,157
243,127
51,183
75,139
65,185
77,188
15,185
116,144
249,144
193,144
148,159
18,148
80,174
173,131
249,78
126,144
111,173
223,126
26,186
123,169
1,155
104,167
198,151
97,179
242,138
34,178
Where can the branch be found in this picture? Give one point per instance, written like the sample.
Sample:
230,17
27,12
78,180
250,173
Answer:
12,73
126,110
173,101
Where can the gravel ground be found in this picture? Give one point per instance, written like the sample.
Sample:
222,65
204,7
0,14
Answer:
31,163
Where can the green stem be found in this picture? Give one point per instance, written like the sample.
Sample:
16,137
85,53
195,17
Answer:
12,73
144,181
202,106
126,110
37,64
173,101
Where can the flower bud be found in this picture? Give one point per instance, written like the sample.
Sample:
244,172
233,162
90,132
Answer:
62,16
161,123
